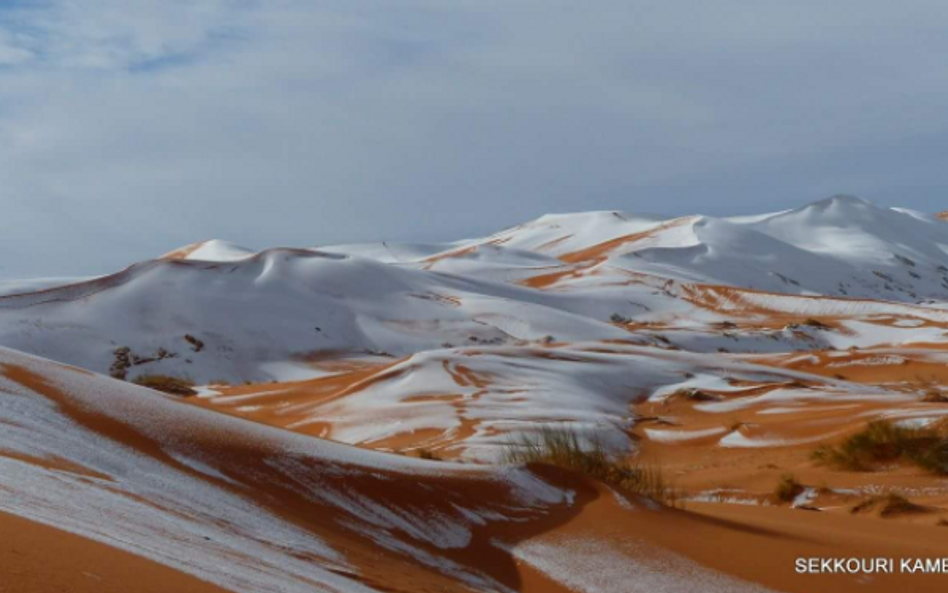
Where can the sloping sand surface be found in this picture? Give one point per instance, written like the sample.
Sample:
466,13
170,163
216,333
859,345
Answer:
36,558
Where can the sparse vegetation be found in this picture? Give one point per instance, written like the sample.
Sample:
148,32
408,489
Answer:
934,397
809,322
566,448
496,340
125,358
695,395
788,488
735,425
785,279
904,260
428,454
883,442
889,505
197,344
167,384
119,368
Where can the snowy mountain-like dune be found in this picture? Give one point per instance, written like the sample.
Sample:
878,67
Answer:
390,252
559,235
715,251
12,287
271,307
216,311
214,250
840,246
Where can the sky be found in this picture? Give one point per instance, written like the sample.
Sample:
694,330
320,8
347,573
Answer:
129,128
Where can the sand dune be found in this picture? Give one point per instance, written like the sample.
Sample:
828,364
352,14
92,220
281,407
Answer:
349,409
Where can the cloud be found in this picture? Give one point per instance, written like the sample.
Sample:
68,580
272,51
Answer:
110,34
11,51
129,128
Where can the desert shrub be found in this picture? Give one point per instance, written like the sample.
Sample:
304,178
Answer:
808,322
196,343
889,505
904,260
692,394
563,447
934,397
788,488
883,442
167,384
428,454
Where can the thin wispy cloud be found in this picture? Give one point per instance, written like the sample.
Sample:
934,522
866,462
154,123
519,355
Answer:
129,128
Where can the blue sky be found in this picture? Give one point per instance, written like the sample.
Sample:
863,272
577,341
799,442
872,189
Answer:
129,128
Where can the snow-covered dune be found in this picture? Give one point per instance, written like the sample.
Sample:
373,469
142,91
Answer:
841,246
214,311
315,378
254,508
221,320
204,493
473,402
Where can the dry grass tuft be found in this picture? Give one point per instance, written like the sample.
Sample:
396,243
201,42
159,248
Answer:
934,397
788,488
565,448
428,454
883,442
809,322
889,505
694,395
816,323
